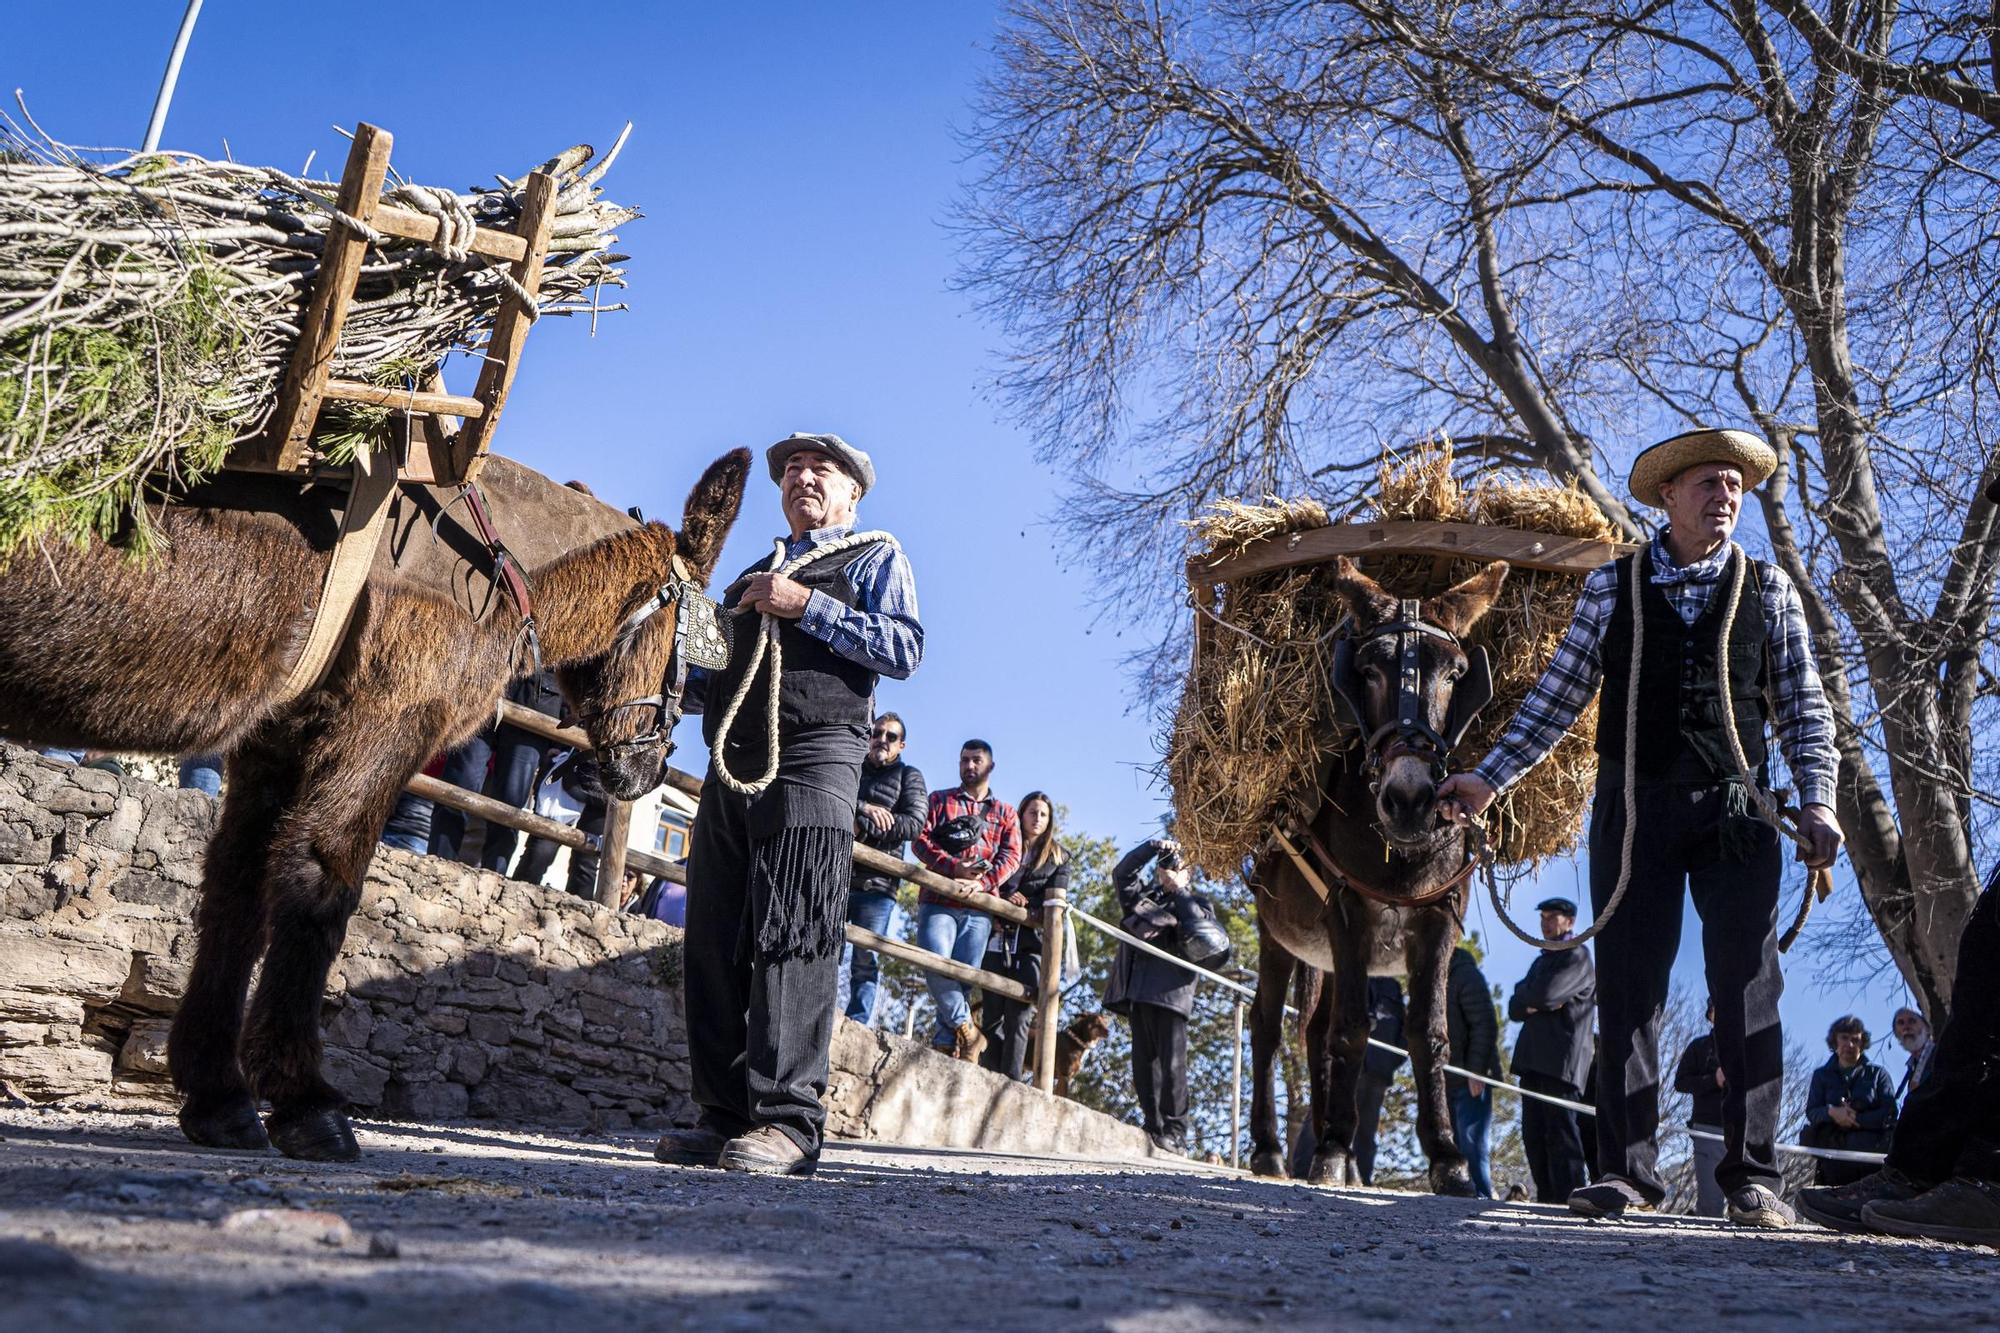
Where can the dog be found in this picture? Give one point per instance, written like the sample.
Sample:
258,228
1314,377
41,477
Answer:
1073,1042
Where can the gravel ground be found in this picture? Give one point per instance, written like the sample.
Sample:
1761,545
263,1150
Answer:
109,1220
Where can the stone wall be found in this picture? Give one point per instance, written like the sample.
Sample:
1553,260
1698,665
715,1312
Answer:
458,993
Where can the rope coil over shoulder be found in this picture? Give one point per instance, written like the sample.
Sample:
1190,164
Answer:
767,642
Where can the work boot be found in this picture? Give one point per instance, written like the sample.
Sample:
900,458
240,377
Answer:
700,1145
1607,1199
971,1041
768,1151
1839,1208
1962,1209
1760,1206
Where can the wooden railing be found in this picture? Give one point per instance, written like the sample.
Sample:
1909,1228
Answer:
613,856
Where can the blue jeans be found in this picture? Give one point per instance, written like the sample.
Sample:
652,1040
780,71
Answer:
873,911
1470,1118
513,756
960,934
202,772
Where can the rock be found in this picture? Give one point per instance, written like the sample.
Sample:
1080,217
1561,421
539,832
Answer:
1520,1269
383,1245
133,1191
289,1226
29,1261
1336,1251
145,1049
1102,1229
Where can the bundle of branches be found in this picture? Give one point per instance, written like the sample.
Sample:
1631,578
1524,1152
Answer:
148,308
1256,721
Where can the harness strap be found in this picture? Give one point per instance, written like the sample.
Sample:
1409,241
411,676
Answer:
1367,890
361,527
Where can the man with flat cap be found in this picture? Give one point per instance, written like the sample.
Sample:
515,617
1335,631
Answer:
1695,831
1553,1004
771,860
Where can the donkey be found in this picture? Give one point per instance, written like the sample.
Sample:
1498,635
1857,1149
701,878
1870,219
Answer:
1384,883
187,651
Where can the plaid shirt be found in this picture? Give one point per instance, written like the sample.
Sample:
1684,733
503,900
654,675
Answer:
1000,844
1804,721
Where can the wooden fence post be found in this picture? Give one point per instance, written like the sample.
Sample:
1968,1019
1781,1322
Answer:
611,852
1048,1005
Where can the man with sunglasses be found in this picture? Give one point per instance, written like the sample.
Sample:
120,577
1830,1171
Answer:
888,812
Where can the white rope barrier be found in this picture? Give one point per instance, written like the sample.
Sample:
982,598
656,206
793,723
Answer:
1794,1149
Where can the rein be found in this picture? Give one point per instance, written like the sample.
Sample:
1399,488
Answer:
698,641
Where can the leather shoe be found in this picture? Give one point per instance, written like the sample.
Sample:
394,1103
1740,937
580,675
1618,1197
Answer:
1607,1199
1839,1207
1962,1209
768,1151
700,1145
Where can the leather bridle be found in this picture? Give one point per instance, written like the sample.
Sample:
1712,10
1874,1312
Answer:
699,641
1408,732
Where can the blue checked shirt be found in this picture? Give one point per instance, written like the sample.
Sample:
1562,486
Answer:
880,631
1804,721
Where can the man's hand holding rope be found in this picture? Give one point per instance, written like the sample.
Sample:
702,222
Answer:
1821,837
776,595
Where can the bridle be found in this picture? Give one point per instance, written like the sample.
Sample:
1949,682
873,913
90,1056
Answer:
1407,733
699,641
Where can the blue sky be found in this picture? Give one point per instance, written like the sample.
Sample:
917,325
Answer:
796,163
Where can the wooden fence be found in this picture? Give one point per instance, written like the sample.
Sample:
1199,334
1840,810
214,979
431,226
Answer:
613,857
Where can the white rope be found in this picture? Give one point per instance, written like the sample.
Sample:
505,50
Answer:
767,641
1836,1154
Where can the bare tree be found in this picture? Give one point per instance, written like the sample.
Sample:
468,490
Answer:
1241,245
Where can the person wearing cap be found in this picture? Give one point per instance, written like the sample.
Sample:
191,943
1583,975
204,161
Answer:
768,873
1553,1004
1694,832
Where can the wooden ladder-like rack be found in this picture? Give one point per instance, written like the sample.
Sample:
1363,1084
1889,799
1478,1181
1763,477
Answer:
453,455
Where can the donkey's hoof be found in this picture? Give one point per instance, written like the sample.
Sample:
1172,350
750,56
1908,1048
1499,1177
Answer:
1267,1162
230,1124
1453,1181
315,1136
1330,1168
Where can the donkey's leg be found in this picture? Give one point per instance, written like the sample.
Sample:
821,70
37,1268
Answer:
1346,1043
1318,1054
219,1111
1267,1033
352,771
1433,936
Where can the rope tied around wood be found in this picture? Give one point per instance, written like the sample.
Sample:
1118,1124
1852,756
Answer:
767,644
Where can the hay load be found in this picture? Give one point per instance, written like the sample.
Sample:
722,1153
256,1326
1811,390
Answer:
150,306
1256,721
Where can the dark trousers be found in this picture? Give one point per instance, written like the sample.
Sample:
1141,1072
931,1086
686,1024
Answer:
500,762
758,1028
1951,1124
1159,1070
1006,1022
1368,1095
1552,1140
1680,849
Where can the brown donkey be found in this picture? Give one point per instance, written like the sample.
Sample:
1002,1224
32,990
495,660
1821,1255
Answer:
187,651
1374,843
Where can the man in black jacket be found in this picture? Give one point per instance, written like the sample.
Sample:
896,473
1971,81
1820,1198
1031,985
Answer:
1474,1030
1553,1004
1156,996
1378,1069
888,813
1699,1075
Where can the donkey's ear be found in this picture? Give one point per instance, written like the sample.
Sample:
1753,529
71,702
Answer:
1363,597
1461,607
711,511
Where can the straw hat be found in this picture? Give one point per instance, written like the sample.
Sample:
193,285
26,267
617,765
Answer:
1669,458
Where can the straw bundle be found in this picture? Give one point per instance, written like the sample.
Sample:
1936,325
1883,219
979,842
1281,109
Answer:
148,309
1256,721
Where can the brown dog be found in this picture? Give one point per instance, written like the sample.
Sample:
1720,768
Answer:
1074,1042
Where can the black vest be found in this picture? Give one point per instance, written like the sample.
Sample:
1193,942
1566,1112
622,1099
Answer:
819,688
1680,695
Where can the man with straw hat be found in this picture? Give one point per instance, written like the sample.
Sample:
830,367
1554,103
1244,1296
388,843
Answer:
1697,648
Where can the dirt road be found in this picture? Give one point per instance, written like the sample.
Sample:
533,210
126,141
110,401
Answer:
108,1220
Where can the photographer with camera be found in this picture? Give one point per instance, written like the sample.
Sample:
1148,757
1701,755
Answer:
973,837
1157,996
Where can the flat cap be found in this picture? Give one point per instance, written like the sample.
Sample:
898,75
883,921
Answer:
1563,905
1669,458
852,461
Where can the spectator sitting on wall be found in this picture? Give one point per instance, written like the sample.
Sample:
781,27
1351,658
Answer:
1699,1075
889,811
1851,1103
1015,951
974,838
1474,1031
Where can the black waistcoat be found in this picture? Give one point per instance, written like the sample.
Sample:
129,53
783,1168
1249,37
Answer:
819,687
1680,695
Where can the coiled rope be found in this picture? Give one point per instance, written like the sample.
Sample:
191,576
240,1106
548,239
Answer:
767,644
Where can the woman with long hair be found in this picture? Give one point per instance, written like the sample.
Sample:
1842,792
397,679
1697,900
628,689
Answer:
1015,951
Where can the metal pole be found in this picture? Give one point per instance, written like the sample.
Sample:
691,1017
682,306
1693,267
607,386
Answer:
172,77
1236,1093
1048,1005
